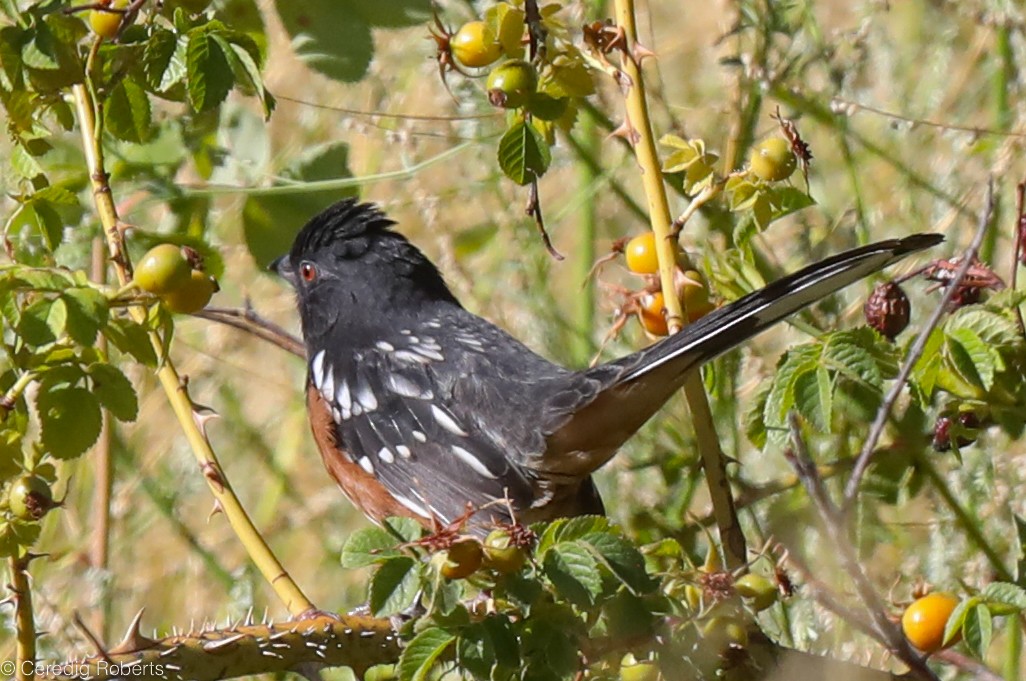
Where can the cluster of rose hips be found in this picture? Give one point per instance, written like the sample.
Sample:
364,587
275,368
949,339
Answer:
175,274
503,551
512,82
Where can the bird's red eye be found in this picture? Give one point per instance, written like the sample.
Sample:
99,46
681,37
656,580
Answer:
308,271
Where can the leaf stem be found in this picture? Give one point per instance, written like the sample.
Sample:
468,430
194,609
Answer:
259,552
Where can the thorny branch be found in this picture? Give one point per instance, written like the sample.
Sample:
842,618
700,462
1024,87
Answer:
865,456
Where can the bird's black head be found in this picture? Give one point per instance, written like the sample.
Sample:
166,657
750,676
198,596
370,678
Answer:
348,267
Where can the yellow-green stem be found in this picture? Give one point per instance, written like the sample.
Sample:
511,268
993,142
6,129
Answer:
259,552
640,128
23,619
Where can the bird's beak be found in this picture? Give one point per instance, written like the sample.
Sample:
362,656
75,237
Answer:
283,266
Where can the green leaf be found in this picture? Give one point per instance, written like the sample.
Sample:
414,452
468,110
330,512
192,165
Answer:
328,36
1005,593
569,529
813,397
970,357
43,321
69,419
850,354
489,649
957,618
131,339
798,361
523,154
114,391
210,76
87,313
978,630
622,558
164,60
14,535
334,36
369,546
247,72
127,112
420,654
573,572
394,586
10,451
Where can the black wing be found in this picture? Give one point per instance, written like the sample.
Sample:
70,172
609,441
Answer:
399,417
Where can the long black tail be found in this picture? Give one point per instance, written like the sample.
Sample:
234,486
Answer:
735,323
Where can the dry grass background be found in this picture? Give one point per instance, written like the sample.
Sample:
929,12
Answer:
925,61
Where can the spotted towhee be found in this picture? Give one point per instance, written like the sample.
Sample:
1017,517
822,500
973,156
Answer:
420,408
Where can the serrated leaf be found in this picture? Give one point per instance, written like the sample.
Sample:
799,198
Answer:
568,529
622,558
929,365
813,397
209,74
87,313
247,71
369,546
43,321
131,339
796,362
978,630
69,420
1005,593
849,354
523,154
971,357
127,112
394,587
160,66
114,391
420,654
573,572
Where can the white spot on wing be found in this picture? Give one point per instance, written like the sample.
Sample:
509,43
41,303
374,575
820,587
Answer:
365,396
428,351
366,465
384,346
357,409
472,461
336,414
419,436
317,369
328,386
345,400
407,356
403,451
401,385
386,455
412,505
445,420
